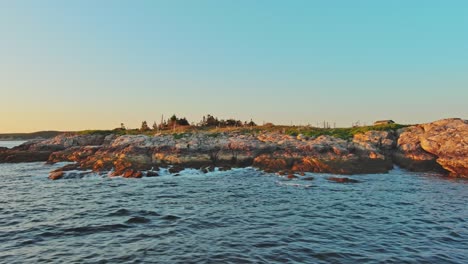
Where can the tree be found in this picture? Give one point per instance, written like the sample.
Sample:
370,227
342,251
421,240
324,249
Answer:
233,123
155,126
183,122
251,123
211,121
144,126
175,121
122,126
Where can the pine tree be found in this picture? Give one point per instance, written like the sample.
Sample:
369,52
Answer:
144,126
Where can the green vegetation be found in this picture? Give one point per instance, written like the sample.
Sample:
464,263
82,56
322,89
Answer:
98,132
116,131
343,133
213,127
181,135
214,135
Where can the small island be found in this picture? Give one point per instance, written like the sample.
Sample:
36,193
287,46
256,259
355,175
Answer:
440,146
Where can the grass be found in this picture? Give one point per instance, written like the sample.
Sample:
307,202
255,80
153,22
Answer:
180,132
343,133
180,135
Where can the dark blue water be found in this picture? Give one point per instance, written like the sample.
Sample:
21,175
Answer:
239,216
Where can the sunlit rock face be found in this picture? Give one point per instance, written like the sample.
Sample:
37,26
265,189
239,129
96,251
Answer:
382,140
436,146
128,155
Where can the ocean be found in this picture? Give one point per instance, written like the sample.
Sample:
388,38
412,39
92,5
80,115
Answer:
237,216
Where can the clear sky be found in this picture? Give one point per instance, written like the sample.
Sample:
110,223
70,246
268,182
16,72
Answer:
88,64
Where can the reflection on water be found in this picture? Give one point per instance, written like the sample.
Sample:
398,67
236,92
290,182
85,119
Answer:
239,216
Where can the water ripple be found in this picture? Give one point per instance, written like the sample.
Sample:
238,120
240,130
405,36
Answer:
239,216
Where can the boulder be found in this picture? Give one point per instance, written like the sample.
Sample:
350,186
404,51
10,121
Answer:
342,180
376,140
130,173
175,169
151,173
70,171
56,175
440,146
270,162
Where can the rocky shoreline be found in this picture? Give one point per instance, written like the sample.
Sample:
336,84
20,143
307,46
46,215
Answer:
440,146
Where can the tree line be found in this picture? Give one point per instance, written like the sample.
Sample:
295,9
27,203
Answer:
207,121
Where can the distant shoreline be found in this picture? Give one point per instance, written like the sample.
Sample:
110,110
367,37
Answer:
29,136
18,139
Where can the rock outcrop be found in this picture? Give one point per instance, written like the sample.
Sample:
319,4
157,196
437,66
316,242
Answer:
16,156
439,146
40,150
342,180
129,156
323,154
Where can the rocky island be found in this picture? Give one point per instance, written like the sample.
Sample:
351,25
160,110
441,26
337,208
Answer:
440,146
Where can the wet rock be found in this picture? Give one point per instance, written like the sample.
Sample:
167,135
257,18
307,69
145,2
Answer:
102,165
18,156
69,167
342,180
151,174
175,169
350,164
308,178
270,162
56,175
130,173
122,166
71,171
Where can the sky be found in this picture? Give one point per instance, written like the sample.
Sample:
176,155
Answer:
75,65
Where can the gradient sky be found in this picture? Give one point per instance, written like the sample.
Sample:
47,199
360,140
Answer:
73,65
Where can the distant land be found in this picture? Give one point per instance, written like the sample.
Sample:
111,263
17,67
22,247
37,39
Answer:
29,136
175,124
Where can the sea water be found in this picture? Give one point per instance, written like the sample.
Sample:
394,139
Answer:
237,216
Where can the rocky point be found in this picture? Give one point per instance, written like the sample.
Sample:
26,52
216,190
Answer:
441,146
